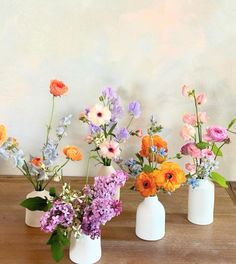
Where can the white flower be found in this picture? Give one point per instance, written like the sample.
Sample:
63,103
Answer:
110,149
99,115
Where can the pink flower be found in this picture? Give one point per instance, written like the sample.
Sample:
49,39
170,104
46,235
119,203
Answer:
201,99
216,134
187,132
207,153
139,132
190,119
185,90
191,149
110,149
88,139
202,117
190,167
99,115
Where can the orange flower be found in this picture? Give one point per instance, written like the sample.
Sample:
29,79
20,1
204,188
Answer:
58,88
3,134
158,142
72,153
145,184
37,161
169,176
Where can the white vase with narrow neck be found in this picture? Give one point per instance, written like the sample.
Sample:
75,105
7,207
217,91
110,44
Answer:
150,219
84,250
32,218
201,203
105,171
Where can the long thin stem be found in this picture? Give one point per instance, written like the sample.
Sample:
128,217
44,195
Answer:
233,132
55,173
218,150
87,168
198,122
130,121
50,121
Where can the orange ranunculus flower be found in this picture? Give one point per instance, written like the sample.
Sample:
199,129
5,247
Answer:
169,176
158,142
145,184
37,161
58,88
3,134
72,153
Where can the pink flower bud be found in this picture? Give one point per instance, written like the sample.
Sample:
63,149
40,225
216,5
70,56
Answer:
190,167
185,90
139,132
187,132
88,139
202,117
190,119
201,99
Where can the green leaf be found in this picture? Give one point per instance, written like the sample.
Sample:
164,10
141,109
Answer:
147,168
216,150
139,157
231,123
111,129
202,145
35,203
58,241
216,177
52,192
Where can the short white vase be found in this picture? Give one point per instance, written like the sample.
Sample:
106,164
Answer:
32,218
85,250
105,171
201,203
150,219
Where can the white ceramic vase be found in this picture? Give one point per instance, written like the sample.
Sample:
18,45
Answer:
105,171
150,219
32,218
85,250
201,203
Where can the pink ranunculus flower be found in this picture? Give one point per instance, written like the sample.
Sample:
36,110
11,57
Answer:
110,149
216,134
201,99
191,149
207,153
203,118
185,90
190,167
187,132
190,119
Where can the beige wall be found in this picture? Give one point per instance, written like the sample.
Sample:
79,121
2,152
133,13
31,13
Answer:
145,49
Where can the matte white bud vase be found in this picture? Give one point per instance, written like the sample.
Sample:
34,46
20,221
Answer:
150,219
85,250
201,203
32,218
105,171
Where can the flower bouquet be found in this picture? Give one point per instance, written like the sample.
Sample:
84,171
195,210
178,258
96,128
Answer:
76,217
153,174
105,134
204,146
40,170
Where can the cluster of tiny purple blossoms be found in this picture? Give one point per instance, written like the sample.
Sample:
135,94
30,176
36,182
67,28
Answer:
103,206
97,207
61,213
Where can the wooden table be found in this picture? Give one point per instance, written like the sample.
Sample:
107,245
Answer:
183,242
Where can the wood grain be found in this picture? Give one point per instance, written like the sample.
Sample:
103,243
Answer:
183,242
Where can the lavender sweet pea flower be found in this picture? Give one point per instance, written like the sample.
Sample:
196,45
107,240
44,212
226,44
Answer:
134,109
94,129
18,158
109,94
50,152
122,135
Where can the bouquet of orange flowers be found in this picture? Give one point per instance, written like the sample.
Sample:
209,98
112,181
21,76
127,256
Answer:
152,170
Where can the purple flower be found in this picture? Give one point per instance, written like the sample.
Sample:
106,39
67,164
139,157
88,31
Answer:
94,129
134,109
109,94
61,214
122,135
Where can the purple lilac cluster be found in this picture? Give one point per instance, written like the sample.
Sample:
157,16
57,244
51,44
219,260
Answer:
103,206
61,213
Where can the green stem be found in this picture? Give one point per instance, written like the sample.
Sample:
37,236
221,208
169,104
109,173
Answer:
50,121
198,123
55,173
130,121
233,132
87,169
218,150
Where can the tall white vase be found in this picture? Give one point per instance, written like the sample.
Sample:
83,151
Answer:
201,203
85,250
105,171
150,219
32,218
